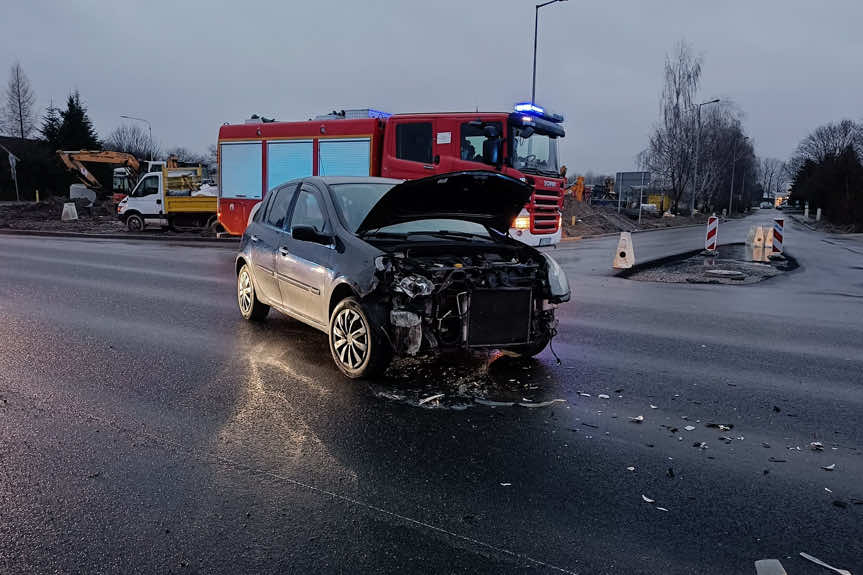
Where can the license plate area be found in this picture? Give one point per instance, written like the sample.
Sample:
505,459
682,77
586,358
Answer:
545,241
499,317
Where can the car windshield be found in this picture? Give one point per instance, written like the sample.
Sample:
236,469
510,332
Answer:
436,226
536,153
355,201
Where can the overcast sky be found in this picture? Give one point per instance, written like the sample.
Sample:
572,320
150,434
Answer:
190,66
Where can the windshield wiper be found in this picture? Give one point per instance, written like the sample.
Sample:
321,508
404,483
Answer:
446,233
380,234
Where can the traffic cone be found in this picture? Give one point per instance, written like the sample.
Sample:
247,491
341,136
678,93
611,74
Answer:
624,258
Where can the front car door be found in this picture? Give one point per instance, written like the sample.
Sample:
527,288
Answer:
265,234
146,198
302,267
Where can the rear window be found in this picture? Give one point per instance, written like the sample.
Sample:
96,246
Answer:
355,201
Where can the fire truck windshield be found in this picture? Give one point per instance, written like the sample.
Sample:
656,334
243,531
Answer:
534,153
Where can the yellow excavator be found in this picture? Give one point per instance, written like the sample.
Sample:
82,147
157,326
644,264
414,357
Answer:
126,173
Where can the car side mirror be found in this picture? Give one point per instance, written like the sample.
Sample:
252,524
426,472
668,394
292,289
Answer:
310,234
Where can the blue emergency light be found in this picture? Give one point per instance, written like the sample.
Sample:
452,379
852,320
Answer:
537,111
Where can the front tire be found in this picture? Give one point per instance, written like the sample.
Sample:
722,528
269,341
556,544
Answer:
135,223
251,307
356,343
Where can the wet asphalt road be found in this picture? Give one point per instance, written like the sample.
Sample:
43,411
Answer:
145,428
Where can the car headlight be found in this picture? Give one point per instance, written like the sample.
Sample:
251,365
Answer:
558,284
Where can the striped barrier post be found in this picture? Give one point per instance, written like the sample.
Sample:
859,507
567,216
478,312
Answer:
778,231
712,234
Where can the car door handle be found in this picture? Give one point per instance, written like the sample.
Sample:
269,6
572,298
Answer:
255,238
284,252
428,167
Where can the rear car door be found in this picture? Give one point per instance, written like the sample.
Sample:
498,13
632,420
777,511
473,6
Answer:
265,237
302,266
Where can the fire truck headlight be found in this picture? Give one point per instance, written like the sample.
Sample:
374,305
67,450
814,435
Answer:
521,222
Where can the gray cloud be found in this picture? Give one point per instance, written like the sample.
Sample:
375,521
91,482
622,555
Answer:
190,66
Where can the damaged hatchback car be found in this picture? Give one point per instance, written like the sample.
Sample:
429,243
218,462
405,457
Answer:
388,267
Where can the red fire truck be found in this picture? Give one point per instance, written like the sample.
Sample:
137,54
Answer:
258,155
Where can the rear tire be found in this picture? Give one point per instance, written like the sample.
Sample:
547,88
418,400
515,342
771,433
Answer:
358,347
135,223
251,307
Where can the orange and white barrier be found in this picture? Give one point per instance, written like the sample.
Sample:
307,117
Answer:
712,234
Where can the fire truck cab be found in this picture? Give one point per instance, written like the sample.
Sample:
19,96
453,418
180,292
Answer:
256,157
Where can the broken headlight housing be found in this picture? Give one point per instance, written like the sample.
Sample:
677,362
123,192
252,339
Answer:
558,284
415,285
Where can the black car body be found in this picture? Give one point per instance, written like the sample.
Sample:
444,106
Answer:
389,267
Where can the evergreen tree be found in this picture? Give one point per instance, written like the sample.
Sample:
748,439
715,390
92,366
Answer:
76,130
50,129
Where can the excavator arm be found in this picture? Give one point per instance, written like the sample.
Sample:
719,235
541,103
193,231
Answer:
74,161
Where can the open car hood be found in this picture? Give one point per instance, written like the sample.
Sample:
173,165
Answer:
487,198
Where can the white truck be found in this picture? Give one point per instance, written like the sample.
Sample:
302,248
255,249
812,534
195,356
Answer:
172,198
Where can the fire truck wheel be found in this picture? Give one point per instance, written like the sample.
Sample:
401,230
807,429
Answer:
135,223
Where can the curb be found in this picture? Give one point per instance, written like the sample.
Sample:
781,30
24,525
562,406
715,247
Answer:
802,223
134,237
610,234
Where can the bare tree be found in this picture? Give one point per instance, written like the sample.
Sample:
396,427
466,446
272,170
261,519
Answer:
18,116
185,155
769,172
132,139
669,154
829,141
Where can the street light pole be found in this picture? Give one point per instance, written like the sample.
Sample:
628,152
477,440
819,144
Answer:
695,187
535,35
149,128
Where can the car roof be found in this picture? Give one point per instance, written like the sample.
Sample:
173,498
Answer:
332,180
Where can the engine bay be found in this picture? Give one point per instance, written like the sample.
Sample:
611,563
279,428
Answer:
432,291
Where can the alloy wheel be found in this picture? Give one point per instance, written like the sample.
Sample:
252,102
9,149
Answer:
245,292
350,338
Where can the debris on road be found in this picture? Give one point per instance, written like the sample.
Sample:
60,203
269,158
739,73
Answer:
582,394
630,468
769,567
776,460
689,428
661,509
830,467
541,403
823,564
653,406
720,426
647,499
816,446
700,445
603,396
431,398
637,419
505,484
